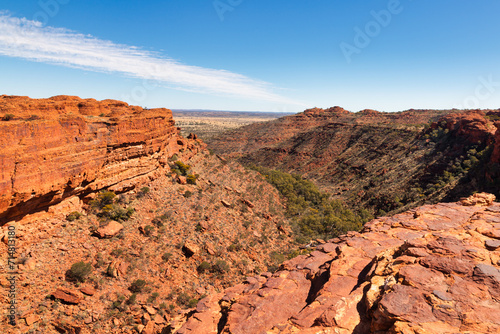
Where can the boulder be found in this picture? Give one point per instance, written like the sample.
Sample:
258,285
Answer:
68,295
110,230
190,248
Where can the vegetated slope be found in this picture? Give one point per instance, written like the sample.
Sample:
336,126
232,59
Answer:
386,162
151,252
435,269
125,224
311,212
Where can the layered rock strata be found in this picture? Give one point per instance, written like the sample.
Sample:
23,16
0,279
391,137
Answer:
51,149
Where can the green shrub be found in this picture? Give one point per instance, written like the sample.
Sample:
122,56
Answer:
313,214
99,260
104,198
148,230
152,298
185,300
181,167
117,252
192,303
143,192
204,266
234,247
188,194
73,216
8,117
137,286
220,267
132,299
116,212
157,221
191,178
80,270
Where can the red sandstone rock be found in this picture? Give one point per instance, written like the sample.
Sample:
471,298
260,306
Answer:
416,272
190,248
88,291
68,295
31,319
110,230
479,199
78,146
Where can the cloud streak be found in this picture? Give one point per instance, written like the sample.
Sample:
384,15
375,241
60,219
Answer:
23,38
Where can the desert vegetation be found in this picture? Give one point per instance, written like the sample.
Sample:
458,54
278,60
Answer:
313,213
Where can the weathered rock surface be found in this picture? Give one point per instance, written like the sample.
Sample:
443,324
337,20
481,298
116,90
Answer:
78,146
423,271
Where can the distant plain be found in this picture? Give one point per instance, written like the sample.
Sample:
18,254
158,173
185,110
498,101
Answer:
208,123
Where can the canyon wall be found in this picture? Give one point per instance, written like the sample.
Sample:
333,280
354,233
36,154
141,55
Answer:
54,148
385,162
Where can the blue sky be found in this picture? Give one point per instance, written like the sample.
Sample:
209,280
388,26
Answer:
279,55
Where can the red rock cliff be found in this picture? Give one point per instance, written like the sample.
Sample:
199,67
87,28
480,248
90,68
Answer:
54,148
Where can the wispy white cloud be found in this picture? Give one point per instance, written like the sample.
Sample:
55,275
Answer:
23,38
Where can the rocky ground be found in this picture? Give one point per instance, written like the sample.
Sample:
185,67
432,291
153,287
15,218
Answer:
435,269
231,218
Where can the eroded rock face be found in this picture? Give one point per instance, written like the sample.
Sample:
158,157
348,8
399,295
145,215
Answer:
423,271
63,146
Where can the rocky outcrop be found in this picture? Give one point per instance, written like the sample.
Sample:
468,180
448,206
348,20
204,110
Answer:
51,149
472,126
423,271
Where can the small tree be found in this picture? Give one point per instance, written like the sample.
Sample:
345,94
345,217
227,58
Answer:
181,167
104,198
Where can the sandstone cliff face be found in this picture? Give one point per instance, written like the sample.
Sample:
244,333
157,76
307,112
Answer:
435,269
64,146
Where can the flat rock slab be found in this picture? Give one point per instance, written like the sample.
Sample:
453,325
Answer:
68,295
